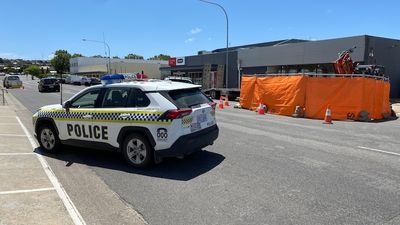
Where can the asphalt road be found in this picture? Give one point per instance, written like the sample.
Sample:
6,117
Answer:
261,170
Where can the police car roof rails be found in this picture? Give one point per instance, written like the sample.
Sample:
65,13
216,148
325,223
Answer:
112,79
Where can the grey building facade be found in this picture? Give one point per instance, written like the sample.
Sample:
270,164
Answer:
298,56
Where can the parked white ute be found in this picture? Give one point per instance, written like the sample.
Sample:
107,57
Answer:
145,120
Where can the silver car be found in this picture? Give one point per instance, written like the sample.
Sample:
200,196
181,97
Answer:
12,81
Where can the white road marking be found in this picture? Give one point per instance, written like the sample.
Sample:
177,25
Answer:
13,153
13,135
72,210
26,191
378,150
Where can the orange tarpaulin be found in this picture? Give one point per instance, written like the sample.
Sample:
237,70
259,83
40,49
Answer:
281,93
346,96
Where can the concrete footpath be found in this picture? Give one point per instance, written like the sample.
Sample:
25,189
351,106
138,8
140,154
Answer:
29,191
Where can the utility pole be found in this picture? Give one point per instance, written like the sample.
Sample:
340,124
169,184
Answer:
109,54
227,39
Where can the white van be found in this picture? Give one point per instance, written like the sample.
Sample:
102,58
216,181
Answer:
73,79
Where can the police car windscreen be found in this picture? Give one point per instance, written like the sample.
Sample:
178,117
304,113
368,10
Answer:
186,98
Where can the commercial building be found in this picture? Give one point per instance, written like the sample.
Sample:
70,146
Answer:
90,66
292,56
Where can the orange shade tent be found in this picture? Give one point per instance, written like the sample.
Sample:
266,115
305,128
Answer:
346,96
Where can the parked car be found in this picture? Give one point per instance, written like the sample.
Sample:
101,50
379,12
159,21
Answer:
11,81
48,84
85,81
73,79
145,121
93,81
61,80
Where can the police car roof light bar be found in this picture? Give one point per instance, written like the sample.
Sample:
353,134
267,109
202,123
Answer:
112,79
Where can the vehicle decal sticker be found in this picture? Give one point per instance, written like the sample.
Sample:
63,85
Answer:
110,117
186,121
162,134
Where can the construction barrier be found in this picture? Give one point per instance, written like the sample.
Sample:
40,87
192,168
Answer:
346,96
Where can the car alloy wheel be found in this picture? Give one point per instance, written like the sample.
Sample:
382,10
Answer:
137,150
48,139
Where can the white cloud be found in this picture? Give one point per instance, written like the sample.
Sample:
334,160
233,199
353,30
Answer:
10,55
190,40
50,56
196,30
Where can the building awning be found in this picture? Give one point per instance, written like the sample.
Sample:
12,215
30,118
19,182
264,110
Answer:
180,68
187,68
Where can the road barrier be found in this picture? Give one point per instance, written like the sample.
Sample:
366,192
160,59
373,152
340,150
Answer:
221,103
226,103
348,95
261,109
328,116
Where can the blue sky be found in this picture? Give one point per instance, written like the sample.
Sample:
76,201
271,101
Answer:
34,29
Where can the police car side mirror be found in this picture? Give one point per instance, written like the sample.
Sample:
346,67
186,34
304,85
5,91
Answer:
67,105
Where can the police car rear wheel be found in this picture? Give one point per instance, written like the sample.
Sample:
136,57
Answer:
137,150
48,138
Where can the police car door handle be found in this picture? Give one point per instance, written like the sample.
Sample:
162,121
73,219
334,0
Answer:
87,116
124,115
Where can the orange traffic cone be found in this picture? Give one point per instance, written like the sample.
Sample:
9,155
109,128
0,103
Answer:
226,103
261,110
328,116
221,103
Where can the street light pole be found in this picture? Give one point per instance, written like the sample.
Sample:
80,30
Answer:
227,39
108,48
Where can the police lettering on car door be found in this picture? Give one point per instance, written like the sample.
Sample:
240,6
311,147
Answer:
89,131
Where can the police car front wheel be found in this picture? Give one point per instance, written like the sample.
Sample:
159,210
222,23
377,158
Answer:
48,138
137,150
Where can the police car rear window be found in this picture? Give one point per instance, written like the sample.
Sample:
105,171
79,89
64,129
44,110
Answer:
13,78
49,81
186,98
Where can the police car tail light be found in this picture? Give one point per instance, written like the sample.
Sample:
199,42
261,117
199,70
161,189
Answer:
177,113
213,105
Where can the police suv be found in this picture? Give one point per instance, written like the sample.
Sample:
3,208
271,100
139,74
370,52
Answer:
144,120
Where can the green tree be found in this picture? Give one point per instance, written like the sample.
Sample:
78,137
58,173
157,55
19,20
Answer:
98,56
160,57
76,55
133,56
115,57
33,70
60,61
42,70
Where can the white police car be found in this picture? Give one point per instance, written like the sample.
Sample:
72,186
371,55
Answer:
145,120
